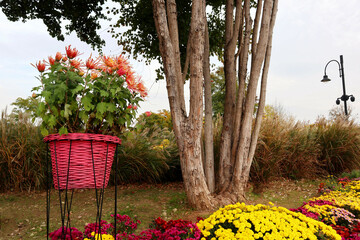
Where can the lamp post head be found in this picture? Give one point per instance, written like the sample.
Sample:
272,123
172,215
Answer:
325,79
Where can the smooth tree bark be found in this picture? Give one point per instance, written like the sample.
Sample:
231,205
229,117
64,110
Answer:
242,74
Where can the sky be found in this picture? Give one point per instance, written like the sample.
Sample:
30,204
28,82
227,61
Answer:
307,35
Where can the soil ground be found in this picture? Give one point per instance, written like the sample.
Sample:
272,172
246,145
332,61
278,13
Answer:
23,215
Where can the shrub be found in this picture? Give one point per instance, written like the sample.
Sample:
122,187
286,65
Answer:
22,153
148,155
340,145
286,148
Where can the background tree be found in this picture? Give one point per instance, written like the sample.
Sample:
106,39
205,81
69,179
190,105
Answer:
184,44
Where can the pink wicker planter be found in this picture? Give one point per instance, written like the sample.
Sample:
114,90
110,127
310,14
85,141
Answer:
85,149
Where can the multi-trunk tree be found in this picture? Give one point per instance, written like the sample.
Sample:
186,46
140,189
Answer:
240,127
185,37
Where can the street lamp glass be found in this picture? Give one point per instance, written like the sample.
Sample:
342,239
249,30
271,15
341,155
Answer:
325,79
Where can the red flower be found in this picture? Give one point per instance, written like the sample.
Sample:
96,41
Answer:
75,63
130,106
71,53
121,71
51,60
58,56
91,63
148,113
40,66
134,107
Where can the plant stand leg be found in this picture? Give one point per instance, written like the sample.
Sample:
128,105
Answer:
47,174
115,182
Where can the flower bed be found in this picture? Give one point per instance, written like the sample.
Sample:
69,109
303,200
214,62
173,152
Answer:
333,215
339,208
160,229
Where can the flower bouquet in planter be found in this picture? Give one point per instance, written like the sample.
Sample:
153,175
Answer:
83,106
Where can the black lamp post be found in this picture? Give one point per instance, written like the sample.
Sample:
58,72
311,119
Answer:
344,97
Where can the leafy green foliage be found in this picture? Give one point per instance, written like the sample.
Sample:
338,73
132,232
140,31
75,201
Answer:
25,106
140,38
155,120
149,157
218,91
100,101
81,16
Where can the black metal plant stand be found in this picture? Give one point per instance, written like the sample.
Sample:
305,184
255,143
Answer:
65,206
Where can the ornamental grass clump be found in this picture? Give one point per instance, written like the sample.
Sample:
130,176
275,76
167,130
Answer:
100,95
240,221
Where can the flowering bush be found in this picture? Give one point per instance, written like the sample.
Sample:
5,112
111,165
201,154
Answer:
66,234
126,224
161,230
240,221
98,96
92,228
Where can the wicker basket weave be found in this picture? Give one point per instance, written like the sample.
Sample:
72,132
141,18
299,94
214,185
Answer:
86,149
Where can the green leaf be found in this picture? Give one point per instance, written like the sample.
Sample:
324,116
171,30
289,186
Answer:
87,103
41,108
77,89
52,121
46,95
83,116
67,111
104,93
111,107
60,91
63,130
101,107
99,115
110,119
44,132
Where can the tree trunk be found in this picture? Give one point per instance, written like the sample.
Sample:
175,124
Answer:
208,132
243,162
231,35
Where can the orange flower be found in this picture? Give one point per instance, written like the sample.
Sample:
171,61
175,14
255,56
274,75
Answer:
148,113
58,56
75,63
40,66
65,59
71,53
94,75
109,62
141,89
51,60
131,83
91,63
